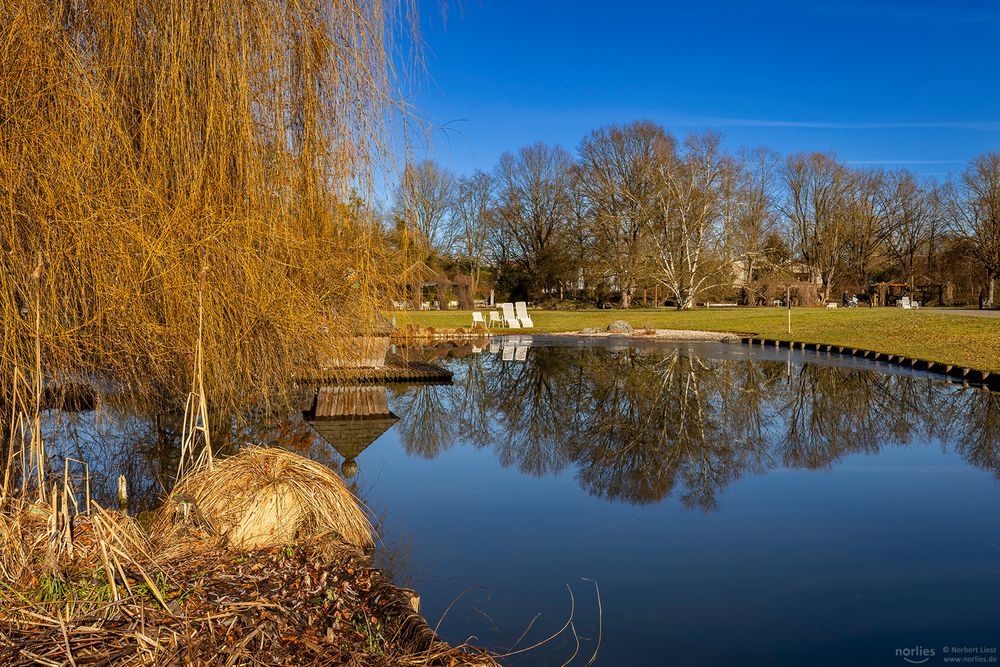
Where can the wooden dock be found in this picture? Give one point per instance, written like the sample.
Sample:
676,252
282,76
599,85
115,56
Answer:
396,369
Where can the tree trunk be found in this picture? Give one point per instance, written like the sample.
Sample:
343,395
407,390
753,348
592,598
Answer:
827,288
686,301
990,288
627,298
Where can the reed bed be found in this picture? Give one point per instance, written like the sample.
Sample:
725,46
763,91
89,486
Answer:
93,587
263,557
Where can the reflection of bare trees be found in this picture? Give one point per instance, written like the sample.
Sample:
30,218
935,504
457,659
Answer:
637,424
978,436
428,423
642,424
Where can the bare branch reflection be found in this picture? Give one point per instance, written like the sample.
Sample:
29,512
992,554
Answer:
643,423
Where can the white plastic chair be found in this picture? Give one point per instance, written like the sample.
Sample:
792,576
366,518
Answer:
477,318
521,309
509,318
495,319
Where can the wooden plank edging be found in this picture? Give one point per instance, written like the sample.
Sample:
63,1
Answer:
964,374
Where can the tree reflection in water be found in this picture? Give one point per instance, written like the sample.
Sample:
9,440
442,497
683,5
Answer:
642,423
637,423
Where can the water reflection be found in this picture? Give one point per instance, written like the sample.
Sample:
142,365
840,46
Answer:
350,418
635,423
641,423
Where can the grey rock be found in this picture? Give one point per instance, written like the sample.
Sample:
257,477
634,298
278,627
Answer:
620,326
590,330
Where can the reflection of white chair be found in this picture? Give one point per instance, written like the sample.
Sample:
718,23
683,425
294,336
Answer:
521,309
477,319
495,319
495,345
507,353
509,318
521,353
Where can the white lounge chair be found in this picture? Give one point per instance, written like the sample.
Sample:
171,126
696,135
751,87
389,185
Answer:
521,311
495,319
477,318
509,318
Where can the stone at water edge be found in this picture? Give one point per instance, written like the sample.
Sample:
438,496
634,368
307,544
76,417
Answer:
731,338
620,326
590,330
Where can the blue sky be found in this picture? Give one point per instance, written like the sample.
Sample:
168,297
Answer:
911,84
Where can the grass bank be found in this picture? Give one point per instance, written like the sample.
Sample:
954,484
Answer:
924,334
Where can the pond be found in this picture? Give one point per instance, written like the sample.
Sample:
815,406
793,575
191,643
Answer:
673,503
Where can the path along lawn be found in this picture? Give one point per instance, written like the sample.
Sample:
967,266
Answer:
973,342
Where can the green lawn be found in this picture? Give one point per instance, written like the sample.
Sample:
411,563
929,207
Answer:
952,339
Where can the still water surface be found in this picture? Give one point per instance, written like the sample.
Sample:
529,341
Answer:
682,504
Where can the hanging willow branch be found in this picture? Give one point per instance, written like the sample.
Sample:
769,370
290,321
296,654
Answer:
142,140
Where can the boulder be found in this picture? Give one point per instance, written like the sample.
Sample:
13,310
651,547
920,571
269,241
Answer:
620,326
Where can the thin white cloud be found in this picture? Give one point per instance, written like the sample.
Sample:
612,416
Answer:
713,121
903,162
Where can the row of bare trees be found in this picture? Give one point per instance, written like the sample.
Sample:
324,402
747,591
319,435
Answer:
636,208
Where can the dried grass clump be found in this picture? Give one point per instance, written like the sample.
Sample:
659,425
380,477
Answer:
265,497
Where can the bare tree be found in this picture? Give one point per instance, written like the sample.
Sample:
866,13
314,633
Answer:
755,216
976,215
423,201
817,189
867,212
687,232
534,203
620,167
911,213
471,219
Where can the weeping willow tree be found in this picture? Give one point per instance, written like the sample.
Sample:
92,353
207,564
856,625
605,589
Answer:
171,167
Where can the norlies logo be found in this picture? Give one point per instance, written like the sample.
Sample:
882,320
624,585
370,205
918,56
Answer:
916,655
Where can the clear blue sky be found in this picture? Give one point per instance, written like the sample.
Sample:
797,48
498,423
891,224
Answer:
913,83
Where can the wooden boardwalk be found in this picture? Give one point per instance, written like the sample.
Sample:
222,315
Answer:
396,369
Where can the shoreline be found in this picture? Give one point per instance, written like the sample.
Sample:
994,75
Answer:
261,557
966,375
940,338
